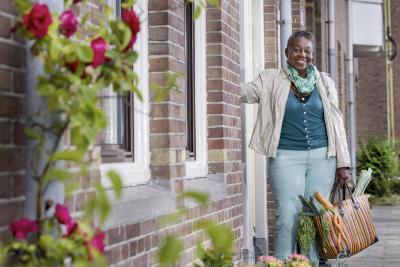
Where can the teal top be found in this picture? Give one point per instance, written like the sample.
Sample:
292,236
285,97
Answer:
303,126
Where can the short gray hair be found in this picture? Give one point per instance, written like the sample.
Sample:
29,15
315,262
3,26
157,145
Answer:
308,35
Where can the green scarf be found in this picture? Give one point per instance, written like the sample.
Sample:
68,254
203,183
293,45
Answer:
303,85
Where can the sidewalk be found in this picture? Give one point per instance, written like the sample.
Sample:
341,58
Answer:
385,253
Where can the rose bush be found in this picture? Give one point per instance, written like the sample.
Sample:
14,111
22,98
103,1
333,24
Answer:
69,23
77,66
294,260
38,20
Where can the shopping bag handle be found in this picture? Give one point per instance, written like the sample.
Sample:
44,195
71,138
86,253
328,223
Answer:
341,188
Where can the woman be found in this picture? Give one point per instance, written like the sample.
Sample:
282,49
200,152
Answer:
300,129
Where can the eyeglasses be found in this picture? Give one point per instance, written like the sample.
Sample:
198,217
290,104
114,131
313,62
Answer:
297,50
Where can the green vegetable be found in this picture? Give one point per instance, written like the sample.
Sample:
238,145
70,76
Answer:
305,233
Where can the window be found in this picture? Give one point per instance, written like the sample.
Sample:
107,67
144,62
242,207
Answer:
125,141
196,97
190,82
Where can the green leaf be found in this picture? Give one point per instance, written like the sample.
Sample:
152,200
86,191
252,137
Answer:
115,181
84,53
170,250
173,218
32,134
69,154
128,3
221,236
57,174
22,5
200,197
46,241
215,3
55,49
102,202
126,34
197,11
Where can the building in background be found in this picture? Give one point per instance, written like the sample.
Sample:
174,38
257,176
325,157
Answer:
197,137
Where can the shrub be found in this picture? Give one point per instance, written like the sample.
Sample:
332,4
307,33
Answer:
379,154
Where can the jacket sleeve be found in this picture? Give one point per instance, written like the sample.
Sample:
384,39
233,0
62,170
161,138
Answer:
251,91
342,151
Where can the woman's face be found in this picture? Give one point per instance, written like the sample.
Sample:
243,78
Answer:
300,54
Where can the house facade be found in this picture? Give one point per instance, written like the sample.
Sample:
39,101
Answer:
196,137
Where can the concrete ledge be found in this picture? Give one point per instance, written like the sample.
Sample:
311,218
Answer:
144,202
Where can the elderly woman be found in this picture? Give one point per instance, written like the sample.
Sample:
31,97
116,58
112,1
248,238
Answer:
300,129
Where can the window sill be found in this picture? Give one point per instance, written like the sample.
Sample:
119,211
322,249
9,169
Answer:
144,202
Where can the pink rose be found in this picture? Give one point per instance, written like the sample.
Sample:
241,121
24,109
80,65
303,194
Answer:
62,215
37,21
97,241
71,227
99,47
69,23
133,22
21,228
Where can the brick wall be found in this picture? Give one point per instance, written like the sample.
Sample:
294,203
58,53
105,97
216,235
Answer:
135,244
12,109
271,61
270,34
371,95
298,15
167,123
371,108
341,50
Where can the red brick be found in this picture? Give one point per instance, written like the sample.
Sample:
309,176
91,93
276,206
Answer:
132,230
6,183
147,227
167,126
14,55
12,107
19,185
158,18
156,5
6,133
125,251
141,260
133,248
116,235
19,134
7,6
10,211
166,141
167,171
5,26
11,159
6,80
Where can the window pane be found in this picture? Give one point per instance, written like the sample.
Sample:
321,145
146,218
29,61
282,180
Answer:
189,83
117,138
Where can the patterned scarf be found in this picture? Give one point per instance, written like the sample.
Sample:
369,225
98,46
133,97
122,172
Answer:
304,85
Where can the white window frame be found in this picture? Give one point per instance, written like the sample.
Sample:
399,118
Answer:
198,167
137,172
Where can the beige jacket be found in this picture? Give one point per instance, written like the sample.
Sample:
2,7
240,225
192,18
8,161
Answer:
270,90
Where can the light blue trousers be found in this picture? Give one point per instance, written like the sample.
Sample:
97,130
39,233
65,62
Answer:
294,173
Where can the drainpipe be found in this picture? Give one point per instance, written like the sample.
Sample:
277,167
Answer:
285,10
332,41
350,82
259,161
245,71
389,46
35,104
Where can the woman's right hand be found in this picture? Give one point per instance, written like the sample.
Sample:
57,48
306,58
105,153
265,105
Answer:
343,175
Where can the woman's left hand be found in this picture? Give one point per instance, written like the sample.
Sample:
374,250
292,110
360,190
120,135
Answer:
343,174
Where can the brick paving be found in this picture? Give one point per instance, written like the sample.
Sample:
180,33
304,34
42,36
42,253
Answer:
385,253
